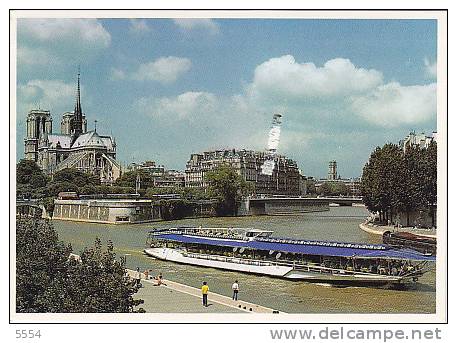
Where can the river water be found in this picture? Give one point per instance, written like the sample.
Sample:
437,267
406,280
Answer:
338,224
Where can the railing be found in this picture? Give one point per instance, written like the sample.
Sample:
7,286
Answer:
292,264
225,233
310,267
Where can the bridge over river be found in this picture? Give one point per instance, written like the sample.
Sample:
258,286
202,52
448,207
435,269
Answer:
282,205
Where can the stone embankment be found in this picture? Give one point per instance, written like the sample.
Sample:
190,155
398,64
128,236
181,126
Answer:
380,229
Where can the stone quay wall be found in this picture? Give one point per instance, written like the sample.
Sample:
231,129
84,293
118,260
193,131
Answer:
111,211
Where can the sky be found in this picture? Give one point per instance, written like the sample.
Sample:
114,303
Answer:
166,88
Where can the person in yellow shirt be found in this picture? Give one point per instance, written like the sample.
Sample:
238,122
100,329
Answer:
205,290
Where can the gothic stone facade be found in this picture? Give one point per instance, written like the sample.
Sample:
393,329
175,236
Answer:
74,147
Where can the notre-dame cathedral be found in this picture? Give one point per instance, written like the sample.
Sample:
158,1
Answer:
74,147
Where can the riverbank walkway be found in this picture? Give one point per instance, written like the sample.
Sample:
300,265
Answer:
175,297
380,229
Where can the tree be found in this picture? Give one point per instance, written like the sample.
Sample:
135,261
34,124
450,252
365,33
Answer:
76,177
334,188
128,179
40,258
55,187
227,187
430,181
31,181
394,181
310,187
325,188
339,188
27,169
176,209
412,175
381,180
49,280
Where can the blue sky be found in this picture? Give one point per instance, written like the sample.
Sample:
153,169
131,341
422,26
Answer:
167,88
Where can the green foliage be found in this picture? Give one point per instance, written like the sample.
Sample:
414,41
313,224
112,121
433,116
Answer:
48,280
30,180
26,170
48,204
55,187
311,187
176,209
75,177
395,181
40,258
192,193
227,187
333,188
128,179
187,193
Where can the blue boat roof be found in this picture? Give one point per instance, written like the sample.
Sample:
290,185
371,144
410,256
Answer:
307,249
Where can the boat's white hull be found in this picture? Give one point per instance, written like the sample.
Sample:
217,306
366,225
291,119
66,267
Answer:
271,269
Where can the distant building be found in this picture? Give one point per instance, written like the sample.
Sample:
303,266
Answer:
420,140
353,184
170,178
74,147
162,177
284,181
149,166
332,171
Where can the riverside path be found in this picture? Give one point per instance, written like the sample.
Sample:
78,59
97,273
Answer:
175,297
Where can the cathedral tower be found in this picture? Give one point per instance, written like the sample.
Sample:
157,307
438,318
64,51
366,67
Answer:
78,113
39,124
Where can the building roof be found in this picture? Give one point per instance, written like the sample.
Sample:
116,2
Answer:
89,139
92,139
384,252
63,140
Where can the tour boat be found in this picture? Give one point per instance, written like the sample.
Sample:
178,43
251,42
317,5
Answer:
256,251
423,244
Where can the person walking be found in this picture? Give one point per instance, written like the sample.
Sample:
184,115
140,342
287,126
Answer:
205,290
138,277
235,289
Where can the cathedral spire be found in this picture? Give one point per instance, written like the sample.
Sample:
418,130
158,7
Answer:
78,113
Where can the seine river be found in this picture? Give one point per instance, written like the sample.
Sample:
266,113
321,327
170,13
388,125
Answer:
340,223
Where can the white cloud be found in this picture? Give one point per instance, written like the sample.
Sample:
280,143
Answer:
34,57
430,68
54,95
338,93
57,42
138,26
189,105
117,74
201,23
164,69
392,104
87,31
283,77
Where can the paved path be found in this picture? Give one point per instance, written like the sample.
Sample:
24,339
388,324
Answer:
380,229
179,298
